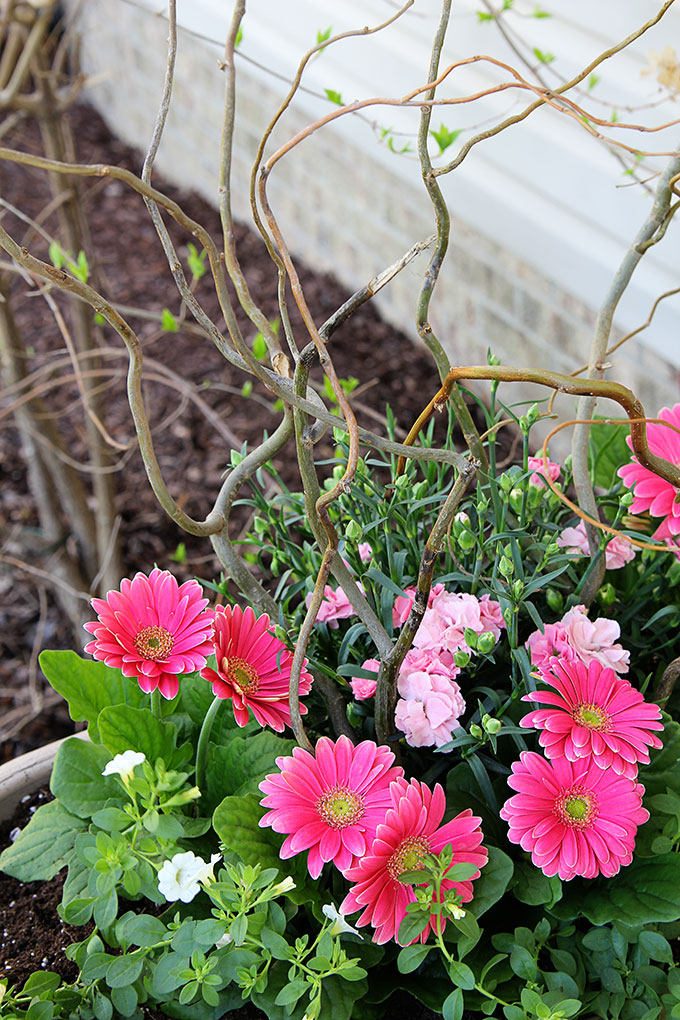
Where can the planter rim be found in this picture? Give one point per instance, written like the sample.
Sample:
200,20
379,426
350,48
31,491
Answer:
24,774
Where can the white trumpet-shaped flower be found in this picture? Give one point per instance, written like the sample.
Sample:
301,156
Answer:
339,925
180,877
124,764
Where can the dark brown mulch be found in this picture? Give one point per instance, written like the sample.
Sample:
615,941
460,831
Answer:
132,269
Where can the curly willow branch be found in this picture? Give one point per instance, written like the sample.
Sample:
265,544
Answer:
564,384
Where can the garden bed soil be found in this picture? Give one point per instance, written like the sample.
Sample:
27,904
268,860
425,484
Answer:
131,267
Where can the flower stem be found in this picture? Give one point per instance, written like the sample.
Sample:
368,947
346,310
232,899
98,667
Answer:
203,738
156,703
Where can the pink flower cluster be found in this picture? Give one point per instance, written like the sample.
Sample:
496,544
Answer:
618,552
543,468
431,703
351,805
154,629
576,638
578,812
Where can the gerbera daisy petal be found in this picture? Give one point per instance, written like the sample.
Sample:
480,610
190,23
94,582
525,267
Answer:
589,823
253,668
410,830
594,712
326,804
137,630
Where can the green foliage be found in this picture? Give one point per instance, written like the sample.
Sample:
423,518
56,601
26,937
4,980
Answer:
334,97
444,138
168,321
542,56
45,846
197,261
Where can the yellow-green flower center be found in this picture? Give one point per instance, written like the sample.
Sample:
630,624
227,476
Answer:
592,717
340,807
154,643
577,807
240,674
408,856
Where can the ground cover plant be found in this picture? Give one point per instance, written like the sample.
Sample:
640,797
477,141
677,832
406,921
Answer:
421,731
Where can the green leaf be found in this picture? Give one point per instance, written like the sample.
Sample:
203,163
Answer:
57,255
411,957
453,1005
655,946
103,1009
124,970
334,97
607,451
77,911
237,766
461,975
137,729
542,56
235,821
124,1000
77,780
40,1010
276,945
411,927
196,261
44,847
663,772
531,886
41,982
493,881
168,321
290,994
142,930
645,893
89,687
523,963
444,138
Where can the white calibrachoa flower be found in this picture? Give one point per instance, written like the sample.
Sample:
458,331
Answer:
339,925
124,764
179,878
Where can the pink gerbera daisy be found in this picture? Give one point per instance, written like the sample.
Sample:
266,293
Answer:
330,802
649,490
409,831
574,818
253,668
153,629
594,712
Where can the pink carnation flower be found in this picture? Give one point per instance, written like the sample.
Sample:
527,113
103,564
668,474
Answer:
334,606
543,468
651,492
573,818
364,687
152,629
618,552
595,639
403,603
429,708
331,802
444,624
409,830
253,668
576,637
365,551
594,713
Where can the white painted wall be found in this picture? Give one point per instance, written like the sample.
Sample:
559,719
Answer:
542,214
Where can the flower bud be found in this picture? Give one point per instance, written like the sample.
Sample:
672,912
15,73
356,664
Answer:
470,637
518,588
506,566
461,659
506,482
486,642
339,435
260,526
626,499
515,499
607,594
491,726
554,599
476,731
466,540
354,531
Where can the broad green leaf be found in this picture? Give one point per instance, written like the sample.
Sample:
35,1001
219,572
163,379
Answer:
77,780
40,982
646,892
608,451
411,957
123,728
235,821
663,771
453,1005
530,885
236,767
124,970
44,847
411,927
142,930
89,687
492,883
124,1000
